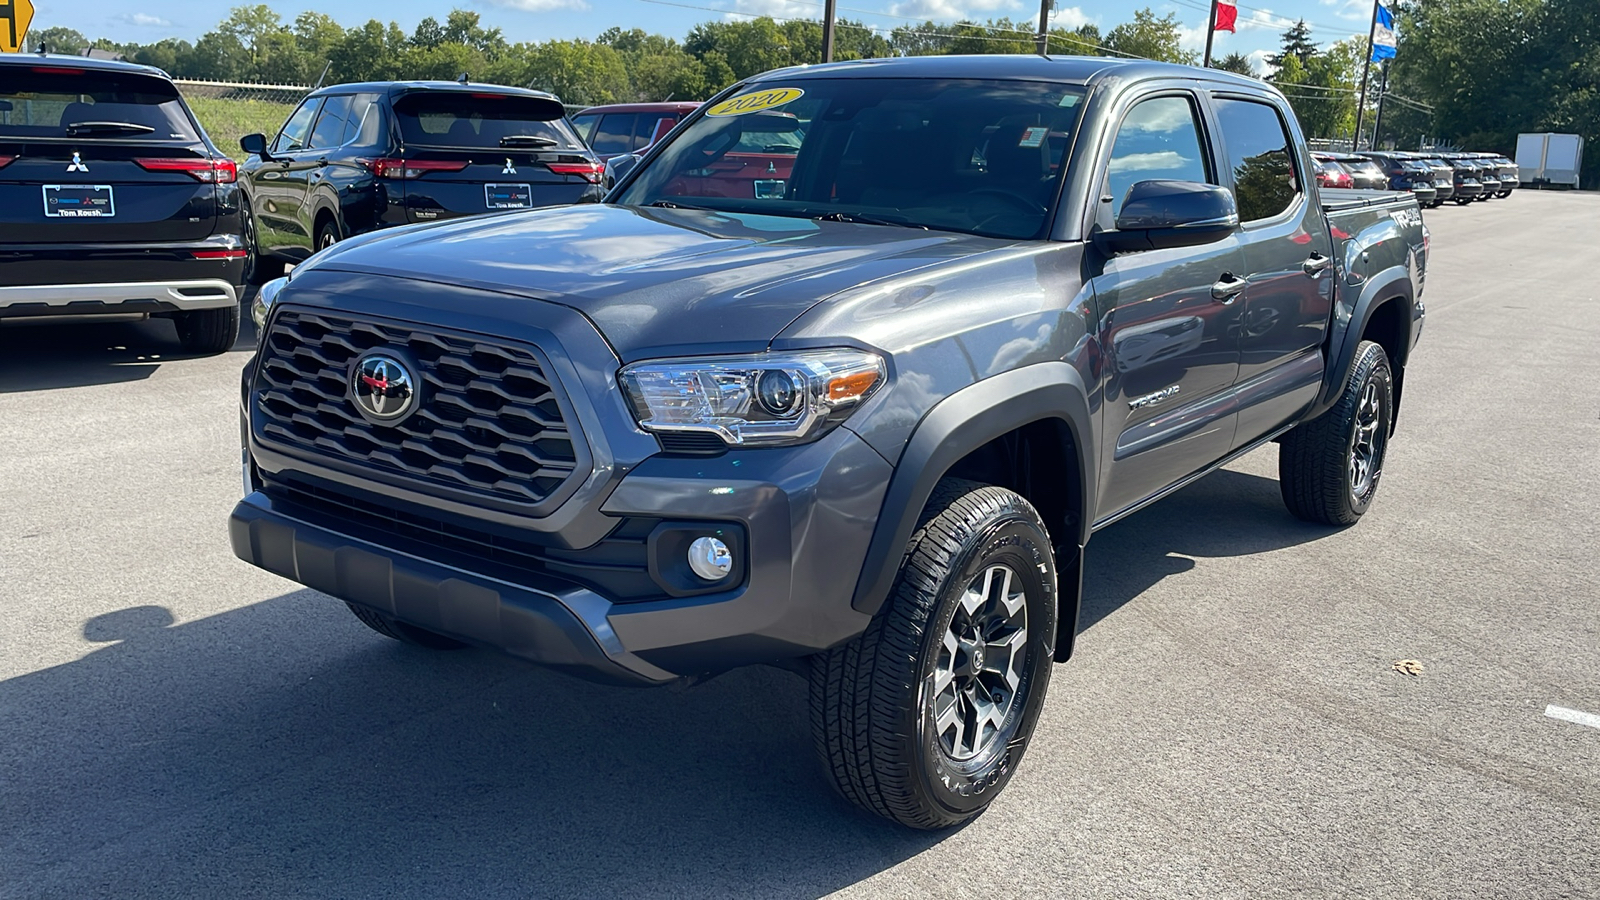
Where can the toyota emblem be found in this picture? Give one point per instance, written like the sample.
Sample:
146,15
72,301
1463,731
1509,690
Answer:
382,387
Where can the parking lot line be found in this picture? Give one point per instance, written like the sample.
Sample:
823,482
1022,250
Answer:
1572,715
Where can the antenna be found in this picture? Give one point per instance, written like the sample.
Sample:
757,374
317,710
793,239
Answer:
324,76
463,78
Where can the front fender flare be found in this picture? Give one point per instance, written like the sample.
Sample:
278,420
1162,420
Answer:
958,425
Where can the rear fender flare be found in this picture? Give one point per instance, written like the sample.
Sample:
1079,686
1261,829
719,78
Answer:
958,425
1384,285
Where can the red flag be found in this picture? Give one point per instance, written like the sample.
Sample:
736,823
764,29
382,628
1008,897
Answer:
1227,14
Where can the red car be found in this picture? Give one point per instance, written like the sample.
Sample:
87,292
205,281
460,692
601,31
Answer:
1332,175
625,127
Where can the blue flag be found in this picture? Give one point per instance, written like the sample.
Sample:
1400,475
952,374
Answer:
1383,36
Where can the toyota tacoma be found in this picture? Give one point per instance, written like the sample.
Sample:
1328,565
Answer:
859,420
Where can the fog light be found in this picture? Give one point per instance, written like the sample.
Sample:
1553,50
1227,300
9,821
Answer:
709,558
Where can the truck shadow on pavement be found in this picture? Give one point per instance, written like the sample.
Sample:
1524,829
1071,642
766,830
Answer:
44,356
1224,514
281,749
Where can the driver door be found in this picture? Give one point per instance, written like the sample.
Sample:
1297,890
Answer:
1170,341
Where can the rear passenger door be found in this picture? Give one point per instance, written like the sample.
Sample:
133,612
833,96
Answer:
1170,344
1288,255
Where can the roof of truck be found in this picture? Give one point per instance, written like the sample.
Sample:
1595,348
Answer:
1081,69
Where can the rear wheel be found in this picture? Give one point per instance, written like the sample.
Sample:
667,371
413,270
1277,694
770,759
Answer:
924,718
208,332
1329,468
389,626
327,234
1463,201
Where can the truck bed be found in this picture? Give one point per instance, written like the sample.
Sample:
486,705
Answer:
1341,200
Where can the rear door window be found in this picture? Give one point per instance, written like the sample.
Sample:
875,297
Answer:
331,123
297,130
86,105
483,120
614,134
1264,180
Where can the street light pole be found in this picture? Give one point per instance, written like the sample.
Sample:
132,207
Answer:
829,11
1383,91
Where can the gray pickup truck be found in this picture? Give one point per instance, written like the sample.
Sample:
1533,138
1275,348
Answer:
841,377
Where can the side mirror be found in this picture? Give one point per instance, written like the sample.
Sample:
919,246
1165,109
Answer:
255,145
1157,215
618,166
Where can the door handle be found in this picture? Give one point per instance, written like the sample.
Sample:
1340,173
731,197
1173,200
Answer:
1315,263
322,162
1228,288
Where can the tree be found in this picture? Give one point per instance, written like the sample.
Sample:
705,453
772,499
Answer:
1297,43
59,39
1151,38
1235,62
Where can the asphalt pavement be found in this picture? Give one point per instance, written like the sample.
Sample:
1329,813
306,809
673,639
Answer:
175,723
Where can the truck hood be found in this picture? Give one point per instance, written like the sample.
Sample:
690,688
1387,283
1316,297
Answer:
656,281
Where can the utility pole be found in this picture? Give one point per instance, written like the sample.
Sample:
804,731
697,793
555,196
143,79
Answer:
1044,26
1383,91
1211,32
1366,66
830,9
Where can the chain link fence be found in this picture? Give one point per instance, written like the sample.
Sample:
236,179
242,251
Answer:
230,110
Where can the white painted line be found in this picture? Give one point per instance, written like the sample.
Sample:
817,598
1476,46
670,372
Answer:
1572,715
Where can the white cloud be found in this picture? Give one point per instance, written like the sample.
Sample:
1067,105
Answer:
1147,162
1264,18
144,20
1258,61
953,10
1192,38
1353,10
537,5
1071,17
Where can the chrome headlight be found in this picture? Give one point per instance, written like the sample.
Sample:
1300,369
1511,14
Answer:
261,306
763,399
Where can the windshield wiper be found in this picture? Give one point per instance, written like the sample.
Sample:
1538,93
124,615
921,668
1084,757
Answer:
527,140
668,204
866,220
132,127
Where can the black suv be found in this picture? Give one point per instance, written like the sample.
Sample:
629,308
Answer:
1468,187
113,200
357,157
1406,175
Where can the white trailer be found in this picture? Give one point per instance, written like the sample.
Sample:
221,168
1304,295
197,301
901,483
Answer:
1550,158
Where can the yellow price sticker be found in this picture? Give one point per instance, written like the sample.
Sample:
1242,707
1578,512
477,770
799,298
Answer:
744,104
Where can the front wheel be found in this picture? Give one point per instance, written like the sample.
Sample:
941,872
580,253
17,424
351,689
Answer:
1329,468
924,718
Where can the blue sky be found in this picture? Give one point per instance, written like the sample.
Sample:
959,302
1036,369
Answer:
535,20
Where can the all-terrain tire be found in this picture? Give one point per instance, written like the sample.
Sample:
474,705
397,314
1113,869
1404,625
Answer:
388,626
874,699
1329,468
208,332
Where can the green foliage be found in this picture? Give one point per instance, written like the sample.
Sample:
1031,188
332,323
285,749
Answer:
1320,85
1235,62
58,39
1151,38
1296,43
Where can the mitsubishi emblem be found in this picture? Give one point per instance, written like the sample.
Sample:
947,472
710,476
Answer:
77,164
509,169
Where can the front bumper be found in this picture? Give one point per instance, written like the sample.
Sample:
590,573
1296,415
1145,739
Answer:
124,297
806,516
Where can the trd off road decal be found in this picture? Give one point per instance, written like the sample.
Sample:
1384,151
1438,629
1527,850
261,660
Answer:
756,101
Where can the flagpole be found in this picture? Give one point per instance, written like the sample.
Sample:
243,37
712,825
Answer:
1383,91
1366,66
1211,32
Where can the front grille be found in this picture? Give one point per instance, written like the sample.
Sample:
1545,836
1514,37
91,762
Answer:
487,420
616,567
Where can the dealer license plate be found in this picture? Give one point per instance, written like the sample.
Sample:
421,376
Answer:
78,201
507,196
769,189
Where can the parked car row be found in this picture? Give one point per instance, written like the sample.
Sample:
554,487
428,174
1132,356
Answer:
1432,177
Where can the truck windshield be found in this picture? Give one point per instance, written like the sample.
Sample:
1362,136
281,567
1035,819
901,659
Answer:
977,156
